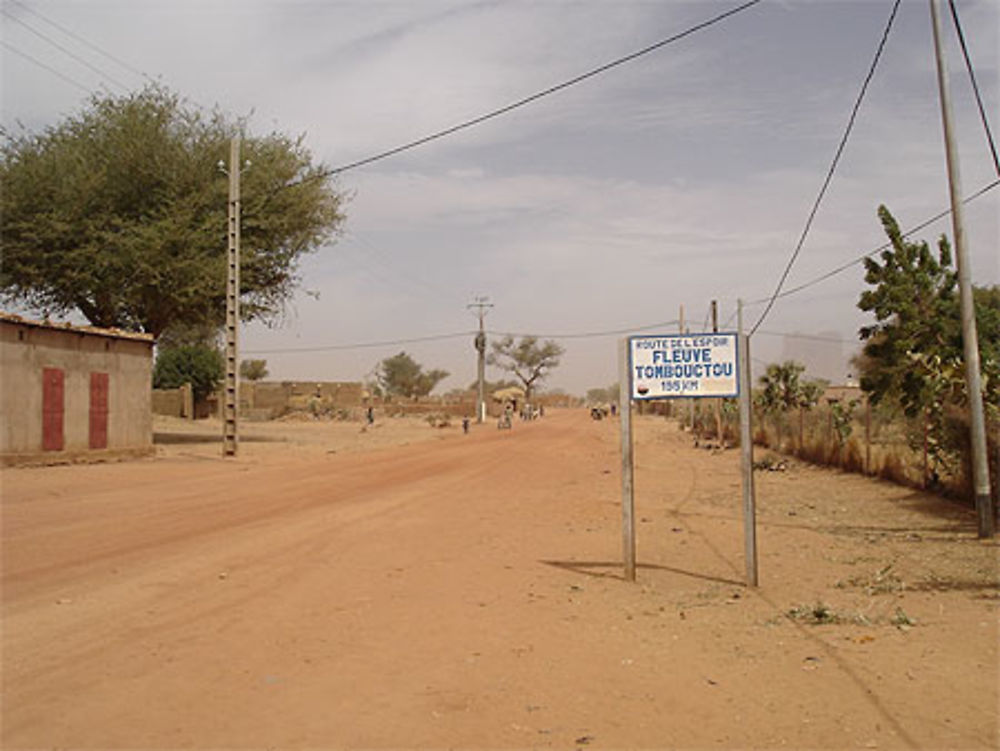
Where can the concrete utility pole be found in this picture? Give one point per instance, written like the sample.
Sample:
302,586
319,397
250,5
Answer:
230,437
482,304
746,453
970,339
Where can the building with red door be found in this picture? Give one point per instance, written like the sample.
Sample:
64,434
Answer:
73,392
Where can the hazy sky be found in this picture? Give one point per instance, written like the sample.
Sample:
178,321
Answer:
683,176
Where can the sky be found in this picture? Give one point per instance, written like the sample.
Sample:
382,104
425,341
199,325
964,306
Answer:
683,176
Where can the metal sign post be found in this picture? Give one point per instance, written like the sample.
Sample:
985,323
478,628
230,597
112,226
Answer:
672,366
628,464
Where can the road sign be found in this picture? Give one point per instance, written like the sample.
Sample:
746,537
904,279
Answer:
683,365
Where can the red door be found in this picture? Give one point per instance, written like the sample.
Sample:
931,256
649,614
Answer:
53,397
98,410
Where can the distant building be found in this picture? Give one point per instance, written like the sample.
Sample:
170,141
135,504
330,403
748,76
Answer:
73,392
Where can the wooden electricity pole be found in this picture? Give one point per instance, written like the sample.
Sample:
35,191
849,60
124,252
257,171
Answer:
970,339
230,437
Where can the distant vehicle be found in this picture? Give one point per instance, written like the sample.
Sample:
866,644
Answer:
599,411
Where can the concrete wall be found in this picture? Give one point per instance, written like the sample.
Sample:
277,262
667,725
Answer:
270,399
177,402
28,347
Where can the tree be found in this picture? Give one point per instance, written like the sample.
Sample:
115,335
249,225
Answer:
197,364
491,386
401,375
913,354
119,212
782,390
253,370
915,304
527,359
603,395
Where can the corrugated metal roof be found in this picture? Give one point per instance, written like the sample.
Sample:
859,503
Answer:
94,330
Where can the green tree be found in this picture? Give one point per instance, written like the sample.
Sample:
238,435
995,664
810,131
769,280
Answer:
528,359
913,354
401,375
915,304
602,395
492,386
253,370
197,364
120,212
782,389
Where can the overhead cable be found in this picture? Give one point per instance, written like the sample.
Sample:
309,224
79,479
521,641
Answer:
40,64
361,345
68,32
533,97
456,335
884,246
832,169
590,334
975,86
67,52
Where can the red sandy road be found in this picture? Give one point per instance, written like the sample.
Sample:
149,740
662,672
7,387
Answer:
402,599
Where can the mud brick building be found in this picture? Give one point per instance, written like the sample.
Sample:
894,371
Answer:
73,392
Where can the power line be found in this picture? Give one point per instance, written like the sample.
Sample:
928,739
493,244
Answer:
65,51
456,335
360,345
591,334
533,97
810,337
42,65
80,39
632,329
975,86
884,246
833,167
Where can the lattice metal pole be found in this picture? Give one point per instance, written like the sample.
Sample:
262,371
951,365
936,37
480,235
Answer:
230,431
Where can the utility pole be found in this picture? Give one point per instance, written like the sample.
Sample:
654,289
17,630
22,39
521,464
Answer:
746,452
230,436
681,330
718,402
970,339
482,304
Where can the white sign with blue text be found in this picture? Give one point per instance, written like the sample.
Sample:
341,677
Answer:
688,365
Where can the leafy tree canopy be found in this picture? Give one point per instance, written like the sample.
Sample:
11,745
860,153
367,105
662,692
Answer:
197,364
528,359
491,386
602,395
914,299
120,212
401,375
783,388
253,370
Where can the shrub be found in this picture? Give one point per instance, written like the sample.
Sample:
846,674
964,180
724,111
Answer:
197,364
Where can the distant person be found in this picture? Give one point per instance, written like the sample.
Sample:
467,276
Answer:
371,415
614,409
465,425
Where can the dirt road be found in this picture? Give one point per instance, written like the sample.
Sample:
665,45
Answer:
467,592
